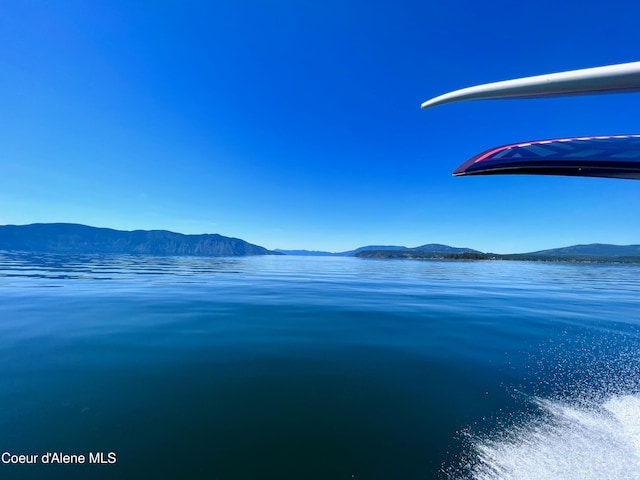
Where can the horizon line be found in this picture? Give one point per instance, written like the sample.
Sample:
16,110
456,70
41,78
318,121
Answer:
311,250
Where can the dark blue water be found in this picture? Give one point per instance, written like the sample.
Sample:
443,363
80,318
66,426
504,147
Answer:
319,368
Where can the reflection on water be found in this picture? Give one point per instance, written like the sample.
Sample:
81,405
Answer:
320,367
109,267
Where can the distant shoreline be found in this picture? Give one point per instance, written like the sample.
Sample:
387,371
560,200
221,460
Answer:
72,239
417,255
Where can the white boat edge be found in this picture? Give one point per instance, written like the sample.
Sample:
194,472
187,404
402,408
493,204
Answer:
624,77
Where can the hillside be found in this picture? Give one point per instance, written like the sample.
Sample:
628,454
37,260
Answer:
593,250
75,238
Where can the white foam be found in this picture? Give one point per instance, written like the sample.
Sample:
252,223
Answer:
568,442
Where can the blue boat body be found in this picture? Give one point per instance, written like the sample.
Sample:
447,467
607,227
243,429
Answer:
614,156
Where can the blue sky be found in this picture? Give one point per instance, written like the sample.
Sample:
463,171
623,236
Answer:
297,124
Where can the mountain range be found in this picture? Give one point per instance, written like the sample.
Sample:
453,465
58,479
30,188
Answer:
430,247
348,253
433,250
75,238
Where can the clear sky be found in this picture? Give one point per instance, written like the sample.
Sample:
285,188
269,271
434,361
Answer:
297,124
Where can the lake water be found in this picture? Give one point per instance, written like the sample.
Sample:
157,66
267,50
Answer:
319,368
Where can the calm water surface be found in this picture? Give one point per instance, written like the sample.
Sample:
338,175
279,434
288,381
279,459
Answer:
319,368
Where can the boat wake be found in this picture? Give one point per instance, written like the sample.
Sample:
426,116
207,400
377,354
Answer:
566,441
